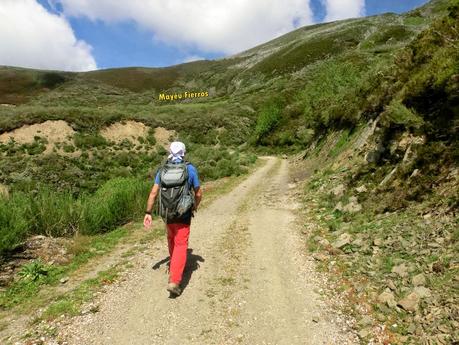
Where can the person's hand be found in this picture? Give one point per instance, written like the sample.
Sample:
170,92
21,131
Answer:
147,221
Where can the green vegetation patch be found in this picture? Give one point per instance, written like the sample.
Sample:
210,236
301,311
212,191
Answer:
296,56
70,304
59,214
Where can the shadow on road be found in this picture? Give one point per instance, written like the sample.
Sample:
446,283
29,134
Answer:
192,264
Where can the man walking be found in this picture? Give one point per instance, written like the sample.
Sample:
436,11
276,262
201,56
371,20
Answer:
177,185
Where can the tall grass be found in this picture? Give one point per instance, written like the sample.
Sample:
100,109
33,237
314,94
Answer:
47,209
116,202
15,215
54,213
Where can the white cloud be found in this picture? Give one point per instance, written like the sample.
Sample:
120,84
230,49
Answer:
32,37
343,9
227,26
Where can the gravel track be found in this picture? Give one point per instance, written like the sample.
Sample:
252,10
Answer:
247,281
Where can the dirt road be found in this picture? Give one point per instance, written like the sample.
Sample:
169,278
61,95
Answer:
247,280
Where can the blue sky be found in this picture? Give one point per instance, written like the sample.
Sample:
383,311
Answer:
113,33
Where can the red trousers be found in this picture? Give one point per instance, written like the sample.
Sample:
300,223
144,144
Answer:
177,239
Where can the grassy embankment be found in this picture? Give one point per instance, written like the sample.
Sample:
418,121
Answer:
391,240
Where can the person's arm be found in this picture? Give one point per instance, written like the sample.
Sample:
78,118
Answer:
151,201
196,186
197,197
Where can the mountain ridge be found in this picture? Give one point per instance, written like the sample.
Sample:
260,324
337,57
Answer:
164,78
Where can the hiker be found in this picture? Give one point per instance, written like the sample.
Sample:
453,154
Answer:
179,194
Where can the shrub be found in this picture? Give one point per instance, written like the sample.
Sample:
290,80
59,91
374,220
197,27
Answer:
69,148
51,79
267,120
15,220
89,140
54,213
150,137
116,202
36,147
399,114
326,95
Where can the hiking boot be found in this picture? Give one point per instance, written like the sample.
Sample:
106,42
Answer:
174,289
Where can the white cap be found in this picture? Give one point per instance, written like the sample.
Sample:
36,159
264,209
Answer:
177,150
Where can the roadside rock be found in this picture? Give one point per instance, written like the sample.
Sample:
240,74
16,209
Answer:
391,285
410,302
415,173
342,240
375,154
365,321
361,189
364,333
319,256
377,242
90,308
353,206
338,191
292,185
358,242
400,270
339,207
6,278
419,280
422,292
388,177
324,242
388,298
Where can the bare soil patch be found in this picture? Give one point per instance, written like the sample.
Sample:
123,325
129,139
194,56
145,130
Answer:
54,132
164,136
129,130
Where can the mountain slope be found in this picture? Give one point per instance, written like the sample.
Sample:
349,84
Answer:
282,55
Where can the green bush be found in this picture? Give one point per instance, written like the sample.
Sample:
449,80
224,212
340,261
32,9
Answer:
51,79
56,213
116,202
89,140
268,119
329,95
150,139
69,148
399,114
15,220
36,147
